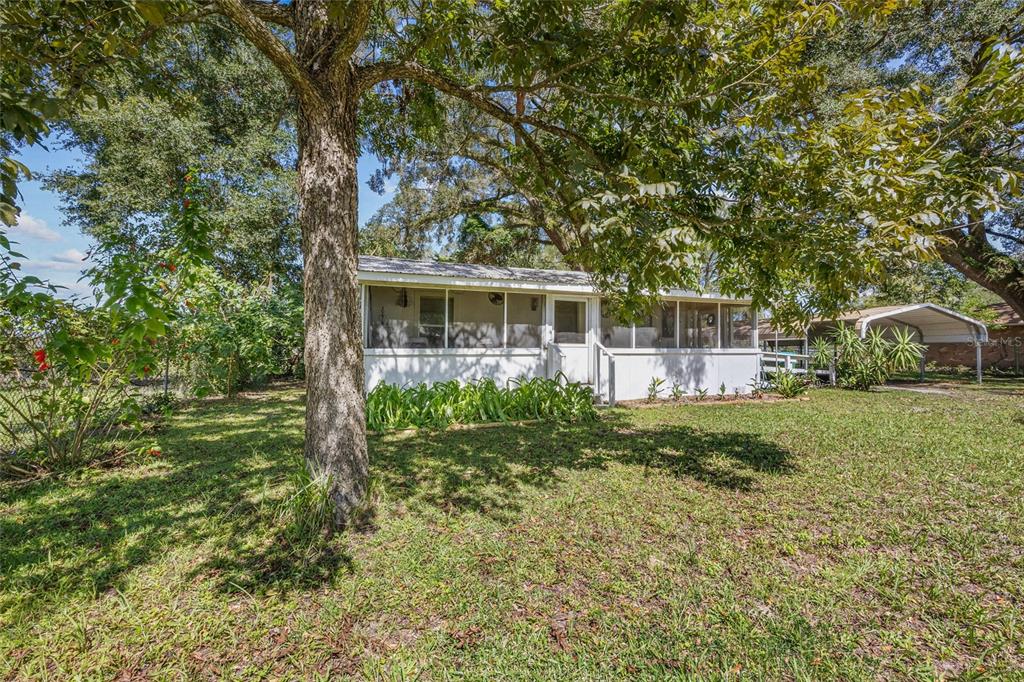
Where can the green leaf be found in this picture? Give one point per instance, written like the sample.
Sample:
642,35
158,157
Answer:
152,12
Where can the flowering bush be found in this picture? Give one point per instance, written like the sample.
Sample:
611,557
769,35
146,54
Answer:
66,369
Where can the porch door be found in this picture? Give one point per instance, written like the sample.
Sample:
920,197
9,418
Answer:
570,330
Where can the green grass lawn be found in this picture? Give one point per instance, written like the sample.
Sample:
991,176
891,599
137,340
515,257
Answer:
845,536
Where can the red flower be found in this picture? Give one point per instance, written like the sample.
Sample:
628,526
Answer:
145,370
155,452
40,357
187,203
114,342
172,267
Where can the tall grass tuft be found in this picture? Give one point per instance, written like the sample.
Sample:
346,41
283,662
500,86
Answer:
438,405
304,517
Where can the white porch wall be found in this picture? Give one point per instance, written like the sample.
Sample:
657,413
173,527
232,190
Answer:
415,366
692,369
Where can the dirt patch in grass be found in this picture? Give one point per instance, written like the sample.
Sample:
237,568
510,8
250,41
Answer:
709,400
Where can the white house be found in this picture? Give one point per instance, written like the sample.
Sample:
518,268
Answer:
505,323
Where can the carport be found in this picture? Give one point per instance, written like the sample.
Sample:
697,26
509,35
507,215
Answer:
932,323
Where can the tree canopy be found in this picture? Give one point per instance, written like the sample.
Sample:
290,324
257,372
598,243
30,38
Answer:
933,147
212,106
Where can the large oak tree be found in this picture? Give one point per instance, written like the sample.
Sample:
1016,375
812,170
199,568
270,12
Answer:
635,135
960,60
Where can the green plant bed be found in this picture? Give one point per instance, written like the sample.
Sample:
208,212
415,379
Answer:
441,404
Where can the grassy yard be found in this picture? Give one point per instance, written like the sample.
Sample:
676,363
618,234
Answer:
846,536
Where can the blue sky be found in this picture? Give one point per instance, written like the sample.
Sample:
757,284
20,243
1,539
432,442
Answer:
56,251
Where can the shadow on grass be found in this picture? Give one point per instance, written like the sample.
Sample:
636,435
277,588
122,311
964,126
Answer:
84,536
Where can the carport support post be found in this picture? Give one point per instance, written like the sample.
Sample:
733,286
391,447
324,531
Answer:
922,364
977,357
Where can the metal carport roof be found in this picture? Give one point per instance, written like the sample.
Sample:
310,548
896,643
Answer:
934,323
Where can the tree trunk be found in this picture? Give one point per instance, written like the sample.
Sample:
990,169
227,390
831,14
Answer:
335,447
979,261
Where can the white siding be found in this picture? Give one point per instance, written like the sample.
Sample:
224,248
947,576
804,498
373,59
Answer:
691,369
415,366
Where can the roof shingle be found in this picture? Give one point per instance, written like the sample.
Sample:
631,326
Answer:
403,266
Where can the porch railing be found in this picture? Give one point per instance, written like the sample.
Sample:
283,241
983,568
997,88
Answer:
795,363
600,350
555,357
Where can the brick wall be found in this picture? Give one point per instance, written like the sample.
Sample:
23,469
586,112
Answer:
1004,350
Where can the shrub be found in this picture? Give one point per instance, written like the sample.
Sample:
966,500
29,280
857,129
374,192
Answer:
235,336
449,402
68,369
66,396
788,384
863,363
654,388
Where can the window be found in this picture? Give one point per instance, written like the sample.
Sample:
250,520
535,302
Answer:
698,324
737,326
477,319
658,328
404,317
614,332
570,322
408,317
525,320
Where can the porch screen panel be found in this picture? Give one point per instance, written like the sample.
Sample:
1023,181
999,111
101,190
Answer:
657,329
477,319
405,317
614,332
570,322
737,326
698,325
525,320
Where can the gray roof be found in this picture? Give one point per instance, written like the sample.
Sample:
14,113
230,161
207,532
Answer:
403,266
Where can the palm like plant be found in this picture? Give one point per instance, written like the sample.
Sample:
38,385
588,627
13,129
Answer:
861,363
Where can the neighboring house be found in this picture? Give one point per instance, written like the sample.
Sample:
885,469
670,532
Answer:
428,321
1004,349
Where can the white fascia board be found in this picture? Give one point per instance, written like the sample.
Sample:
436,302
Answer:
441,282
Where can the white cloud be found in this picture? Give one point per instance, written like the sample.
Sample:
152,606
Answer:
70,256
391,185
69,260
35,227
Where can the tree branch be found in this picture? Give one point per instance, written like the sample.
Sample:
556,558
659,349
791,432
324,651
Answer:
368,76
272,12
1006,236
269,44
352,34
